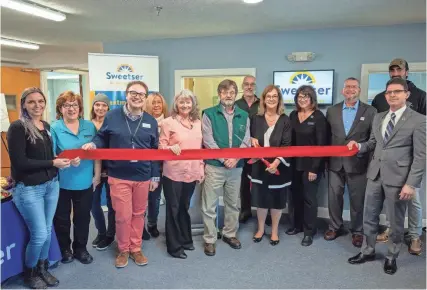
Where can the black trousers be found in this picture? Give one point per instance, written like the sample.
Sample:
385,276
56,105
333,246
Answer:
303,212
81,202
245,190
178,221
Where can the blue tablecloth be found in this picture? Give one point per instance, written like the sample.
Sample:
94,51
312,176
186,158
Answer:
14,238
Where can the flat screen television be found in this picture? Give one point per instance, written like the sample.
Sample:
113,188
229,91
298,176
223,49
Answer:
289,81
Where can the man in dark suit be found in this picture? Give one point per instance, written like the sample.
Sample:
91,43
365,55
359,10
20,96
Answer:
398,139
348,120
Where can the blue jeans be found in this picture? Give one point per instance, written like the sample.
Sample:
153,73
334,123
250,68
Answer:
37,205
98,213
154,205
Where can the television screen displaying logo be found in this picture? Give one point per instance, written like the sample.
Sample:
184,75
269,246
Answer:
321,80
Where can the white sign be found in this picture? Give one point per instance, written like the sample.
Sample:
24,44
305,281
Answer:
4,115
290,81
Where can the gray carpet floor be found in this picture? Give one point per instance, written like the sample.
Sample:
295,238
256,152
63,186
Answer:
287,265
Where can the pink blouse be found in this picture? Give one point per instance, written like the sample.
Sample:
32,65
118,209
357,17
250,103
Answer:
173,132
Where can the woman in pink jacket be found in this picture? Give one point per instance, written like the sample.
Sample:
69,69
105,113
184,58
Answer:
183,130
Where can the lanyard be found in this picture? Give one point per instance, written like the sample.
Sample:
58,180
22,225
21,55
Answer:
134,133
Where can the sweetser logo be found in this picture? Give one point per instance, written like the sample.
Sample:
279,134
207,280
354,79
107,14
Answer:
124,72
302,78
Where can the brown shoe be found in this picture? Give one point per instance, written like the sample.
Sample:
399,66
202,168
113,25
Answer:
330,235
139,258
122,259
383,237
357,240
209,249
233,242
415,247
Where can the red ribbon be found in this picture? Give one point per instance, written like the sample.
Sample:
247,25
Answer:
197,154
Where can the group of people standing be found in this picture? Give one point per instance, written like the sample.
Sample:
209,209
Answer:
50,190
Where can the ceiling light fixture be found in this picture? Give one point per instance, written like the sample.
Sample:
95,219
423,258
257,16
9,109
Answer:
33,9
252,1
18,43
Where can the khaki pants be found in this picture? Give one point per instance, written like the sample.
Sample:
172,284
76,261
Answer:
226,182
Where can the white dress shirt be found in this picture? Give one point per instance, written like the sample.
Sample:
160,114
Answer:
387,118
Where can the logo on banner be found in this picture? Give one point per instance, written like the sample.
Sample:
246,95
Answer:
124,72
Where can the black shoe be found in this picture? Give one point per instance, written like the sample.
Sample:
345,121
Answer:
47,277
274,242
307,241
179,256
293,231
257,240
390,266
32,279
67,257
233,242
219,235
360,258
244,217
105,243
146,235
83,256
189,248
154,232
97,240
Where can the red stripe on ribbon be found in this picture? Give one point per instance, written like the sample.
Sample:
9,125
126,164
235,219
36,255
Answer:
197,154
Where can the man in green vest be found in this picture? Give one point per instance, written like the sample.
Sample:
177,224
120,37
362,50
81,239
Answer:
224,126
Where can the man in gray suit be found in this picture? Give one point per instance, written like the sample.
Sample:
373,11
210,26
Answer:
398,139
349,120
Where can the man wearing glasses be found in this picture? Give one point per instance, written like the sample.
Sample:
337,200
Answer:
249,102
399,68
398,140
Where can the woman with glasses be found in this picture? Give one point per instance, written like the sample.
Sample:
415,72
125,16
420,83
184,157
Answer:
70,131
130,181
309,128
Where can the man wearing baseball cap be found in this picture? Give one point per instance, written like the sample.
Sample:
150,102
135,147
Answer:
399,68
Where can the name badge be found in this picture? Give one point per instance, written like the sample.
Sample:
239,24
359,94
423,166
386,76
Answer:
145,125
362,118
310,123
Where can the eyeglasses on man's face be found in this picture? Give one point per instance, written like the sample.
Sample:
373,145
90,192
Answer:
394,92
134,94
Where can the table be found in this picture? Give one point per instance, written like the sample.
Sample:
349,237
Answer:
14,238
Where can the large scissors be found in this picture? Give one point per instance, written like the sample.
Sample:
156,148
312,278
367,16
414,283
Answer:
253,160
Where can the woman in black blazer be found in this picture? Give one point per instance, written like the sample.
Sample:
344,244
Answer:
309,128
270,128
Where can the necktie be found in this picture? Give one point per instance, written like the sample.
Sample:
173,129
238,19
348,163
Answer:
389,128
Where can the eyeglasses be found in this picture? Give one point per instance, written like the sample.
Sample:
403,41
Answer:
395,92
134,94
68,106
351,87
249,85
271,97
303,98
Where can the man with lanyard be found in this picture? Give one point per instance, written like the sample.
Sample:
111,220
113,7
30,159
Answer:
249,103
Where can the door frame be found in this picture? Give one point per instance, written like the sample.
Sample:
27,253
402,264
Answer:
187,73
382,68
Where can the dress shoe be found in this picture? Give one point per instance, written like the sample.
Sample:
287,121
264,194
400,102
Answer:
154,232
390,266
357,240
274,242
67,257
179,255
331,235
233,242
257,240
360,258
83,256
189,248
415,247
307,241
209,249
145,235
48,278
244,217
293,231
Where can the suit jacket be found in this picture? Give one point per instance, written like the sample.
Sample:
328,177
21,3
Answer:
359,132
401,160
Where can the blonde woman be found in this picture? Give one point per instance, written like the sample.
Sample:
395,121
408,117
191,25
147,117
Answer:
155,106
183,130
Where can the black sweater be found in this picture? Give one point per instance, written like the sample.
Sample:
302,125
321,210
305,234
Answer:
31,164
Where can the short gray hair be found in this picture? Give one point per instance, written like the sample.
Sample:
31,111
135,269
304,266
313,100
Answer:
194,114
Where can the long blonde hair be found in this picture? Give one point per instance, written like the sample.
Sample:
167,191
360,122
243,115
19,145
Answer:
280,105
149,104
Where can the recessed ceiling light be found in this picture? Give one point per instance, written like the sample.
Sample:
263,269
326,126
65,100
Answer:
18,43
33,9
252,1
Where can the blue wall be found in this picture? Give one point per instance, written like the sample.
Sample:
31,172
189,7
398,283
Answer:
344,50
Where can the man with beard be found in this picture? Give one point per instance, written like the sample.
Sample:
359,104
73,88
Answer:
349,120
399,68
249,103
223,126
